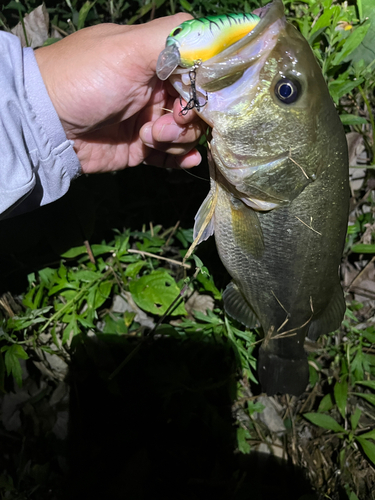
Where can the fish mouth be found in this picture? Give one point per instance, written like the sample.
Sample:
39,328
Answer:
235,59
235,67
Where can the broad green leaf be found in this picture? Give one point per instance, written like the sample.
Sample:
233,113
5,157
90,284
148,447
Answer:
355,418
353,496
324,421
365,50
326,403
341,394
351,43
368,448
156,292
368,397
352,120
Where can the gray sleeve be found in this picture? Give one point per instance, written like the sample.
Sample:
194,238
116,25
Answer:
37,162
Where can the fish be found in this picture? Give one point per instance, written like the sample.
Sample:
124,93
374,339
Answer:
279,191
200,39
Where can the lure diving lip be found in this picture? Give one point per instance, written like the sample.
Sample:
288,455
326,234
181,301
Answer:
198,40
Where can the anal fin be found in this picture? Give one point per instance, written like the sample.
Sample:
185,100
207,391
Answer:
237,306
330,319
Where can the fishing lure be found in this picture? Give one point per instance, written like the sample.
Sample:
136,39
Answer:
197,40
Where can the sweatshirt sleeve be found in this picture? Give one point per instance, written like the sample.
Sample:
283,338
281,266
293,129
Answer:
37,162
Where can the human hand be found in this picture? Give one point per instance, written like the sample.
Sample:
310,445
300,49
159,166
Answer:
103,85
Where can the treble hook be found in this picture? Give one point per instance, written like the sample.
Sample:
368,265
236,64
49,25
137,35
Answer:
194,99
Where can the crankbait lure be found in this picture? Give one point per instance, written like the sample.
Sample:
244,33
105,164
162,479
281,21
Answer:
197,40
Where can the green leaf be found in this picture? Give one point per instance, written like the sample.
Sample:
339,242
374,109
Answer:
15,5
209,286
355,418
13,354
243,445
353,496
156,292
74,252
351,43
352,120
367,383
51,41
71,330
368,448
87,276
102,293
341,394
85,9
369,335
365,51
368,397
133,269
326,403
186,5
324,421
101,249
368,435
363,248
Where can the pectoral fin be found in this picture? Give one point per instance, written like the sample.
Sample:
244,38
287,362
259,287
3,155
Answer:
204,220
331,317
237,306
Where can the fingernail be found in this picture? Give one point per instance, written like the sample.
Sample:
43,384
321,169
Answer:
146,134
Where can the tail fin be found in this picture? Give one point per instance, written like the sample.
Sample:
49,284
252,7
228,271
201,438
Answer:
282,375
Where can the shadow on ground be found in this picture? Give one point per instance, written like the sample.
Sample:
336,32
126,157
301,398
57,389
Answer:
162,428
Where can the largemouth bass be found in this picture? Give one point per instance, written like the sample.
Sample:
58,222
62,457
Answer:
278,203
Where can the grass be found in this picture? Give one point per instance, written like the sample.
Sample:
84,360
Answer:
118,316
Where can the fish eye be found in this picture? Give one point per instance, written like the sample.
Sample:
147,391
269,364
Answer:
176,31
287,91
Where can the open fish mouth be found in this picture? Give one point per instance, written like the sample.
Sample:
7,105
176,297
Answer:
224,78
